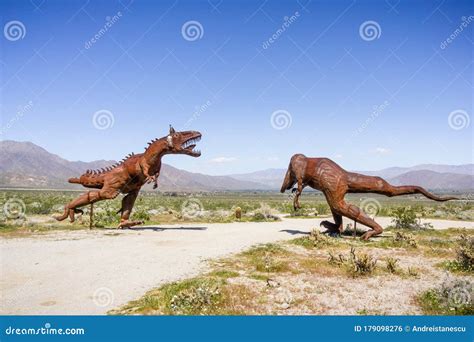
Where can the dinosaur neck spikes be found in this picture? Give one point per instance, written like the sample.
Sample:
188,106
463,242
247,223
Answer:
155,150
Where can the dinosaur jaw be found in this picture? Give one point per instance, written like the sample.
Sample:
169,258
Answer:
188,146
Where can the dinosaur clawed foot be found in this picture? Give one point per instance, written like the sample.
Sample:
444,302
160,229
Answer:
365,236
296,206
332,229
69,212
326,224
128,224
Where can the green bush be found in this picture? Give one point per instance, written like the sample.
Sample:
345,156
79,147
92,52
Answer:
407,218
464,255
453,297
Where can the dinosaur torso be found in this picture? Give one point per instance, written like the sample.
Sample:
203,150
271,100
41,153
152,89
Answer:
129,174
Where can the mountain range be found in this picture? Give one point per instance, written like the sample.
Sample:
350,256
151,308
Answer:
26,165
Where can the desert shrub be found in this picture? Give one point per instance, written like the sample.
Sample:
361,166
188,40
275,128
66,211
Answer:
464,261
412,272
322,208
264,213
402,239
140,213
362,263
105,215
195,296
407,218
42,207
356,264
315,239
300,213
202,298
258,217
337,260
453,297
318,238
391,264
465,253
265,258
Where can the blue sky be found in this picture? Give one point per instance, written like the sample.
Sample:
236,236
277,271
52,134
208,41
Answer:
368,99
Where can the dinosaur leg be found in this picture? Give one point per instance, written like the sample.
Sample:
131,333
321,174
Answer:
127,205
296,200
335,227
89,197
341,207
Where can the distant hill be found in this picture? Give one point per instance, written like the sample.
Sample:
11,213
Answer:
435,180
391,172
270,177
26,165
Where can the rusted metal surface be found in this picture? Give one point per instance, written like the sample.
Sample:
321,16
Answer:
325,175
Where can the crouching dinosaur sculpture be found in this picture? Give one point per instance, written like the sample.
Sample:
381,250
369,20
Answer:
130,175
325,175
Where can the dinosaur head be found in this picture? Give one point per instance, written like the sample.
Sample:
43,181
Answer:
183,142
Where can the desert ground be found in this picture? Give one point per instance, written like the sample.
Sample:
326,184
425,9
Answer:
96,271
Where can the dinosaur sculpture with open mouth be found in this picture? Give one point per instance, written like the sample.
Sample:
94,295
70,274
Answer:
130,175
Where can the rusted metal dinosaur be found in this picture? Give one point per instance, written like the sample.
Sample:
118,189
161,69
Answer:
325,175
130,175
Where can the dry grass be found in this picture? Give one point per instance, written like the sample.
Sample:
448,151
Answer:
384,276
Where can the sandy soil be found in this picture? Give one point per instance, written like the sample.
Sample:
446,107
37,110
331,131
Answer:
91,272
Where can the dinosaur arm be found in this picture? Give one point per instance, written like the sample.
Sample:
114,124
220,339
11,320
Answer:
155,179
151,173
145,169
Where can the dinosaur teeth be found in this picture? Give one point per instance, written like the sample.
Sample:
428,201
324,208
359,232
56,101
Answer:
190,142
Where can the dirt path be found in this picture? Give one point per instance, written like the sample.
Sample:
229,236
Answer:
91,272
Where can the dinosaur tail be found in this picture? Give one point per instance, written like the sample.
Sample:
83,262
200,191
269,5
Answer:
89,181
359,183
288,182
424,192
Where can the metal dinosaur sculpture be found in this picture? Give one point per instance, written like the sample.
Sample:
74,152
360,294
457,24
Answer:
130,175
325,175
